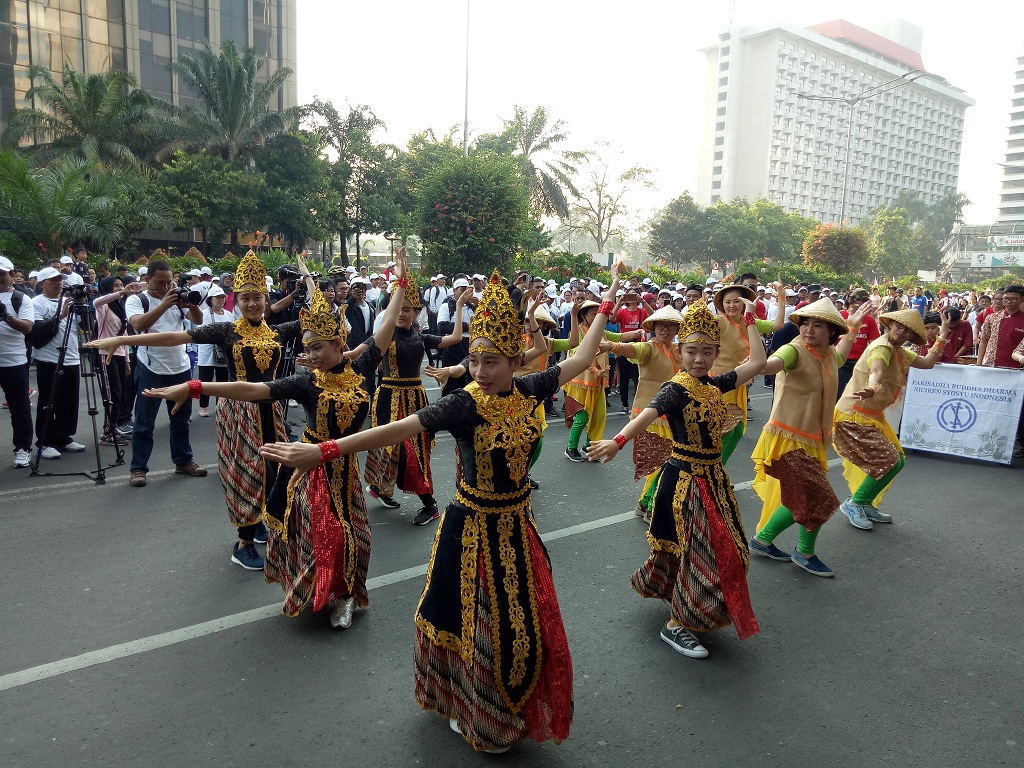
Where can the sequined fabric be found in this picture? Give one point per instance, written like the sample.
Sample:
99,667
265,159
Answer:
865,447
650,453
806,491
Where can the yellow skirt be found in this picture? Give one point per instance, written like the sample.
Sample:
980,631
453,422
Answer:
855,475
770,447
593,401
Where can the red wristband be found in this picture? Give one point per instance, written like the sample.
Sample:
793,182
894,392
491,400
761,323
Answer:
749,318
329,451
402,282
620,441
195,389
606,308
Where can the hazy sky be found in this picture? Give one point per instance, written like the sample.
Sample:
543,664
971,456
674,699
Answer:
626,72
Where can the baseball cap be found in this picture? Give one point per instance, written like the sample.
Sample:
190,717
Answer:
390,264
194,273
460,283
478,276
143,270
205,271
710,281
439,276
47,273
66,260
6,265
215,290
33,273
350,269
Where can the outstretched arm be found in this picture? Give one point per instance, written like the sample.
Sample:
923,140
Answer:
756,362
305,456
605,450
232,390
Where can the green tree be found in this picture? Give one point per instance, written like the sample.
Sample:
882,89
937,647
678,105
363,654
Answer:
72,201
678,233
235,118
547,170
473,214
209,194
842,250
782,233
891,243
733,233
297,189
103,118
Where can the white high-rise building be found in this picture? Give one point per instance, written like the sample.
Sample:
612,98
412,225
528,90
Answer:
764,137
1011,200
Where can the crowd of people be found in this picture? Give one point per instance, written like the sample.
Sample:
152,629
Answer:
349,346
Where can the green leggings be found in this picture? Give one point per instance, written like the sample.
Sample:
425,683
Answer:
870,488
647,497
782,519
536,453
731,439
579,423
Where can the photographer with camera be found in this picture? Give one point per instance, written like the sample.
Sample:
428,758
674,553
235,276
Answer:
55,431
289,297
17,313
156,310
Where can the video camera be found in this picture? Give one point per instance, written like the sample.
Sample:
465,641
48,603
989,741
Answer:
78,293
291,281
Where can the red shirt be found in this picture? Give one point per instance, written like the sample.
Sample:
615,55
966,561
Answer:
1011,333
630,320
761,309
867,333
961,336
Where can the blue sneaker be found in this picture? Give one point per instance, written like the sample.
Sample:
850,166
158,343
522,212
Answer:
856,515
247,557
813,565
260,537
767,550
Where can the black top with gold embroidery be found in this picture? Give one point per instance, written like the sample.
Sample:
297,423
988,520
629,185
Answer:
254,352
405,354
495,434
335,401
695,413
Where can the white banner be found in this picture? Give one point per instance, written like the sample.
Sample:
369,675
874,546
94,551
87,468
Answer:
963,410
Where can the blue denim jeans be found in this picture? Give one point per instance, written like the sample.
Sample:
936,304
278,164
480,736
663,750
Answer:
146,409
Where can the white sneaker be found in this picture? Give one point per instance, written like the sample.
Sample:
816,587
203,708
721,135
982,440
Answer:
49,452
21,457
73,447
341,616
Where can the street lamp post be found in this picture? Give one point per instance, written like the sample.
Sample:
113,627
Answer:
852,102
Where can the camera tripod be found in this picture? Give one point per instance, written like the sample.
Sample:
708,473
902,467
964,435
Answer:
93,372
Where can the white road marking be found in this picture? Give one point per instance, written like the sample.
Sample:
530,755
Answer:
165,639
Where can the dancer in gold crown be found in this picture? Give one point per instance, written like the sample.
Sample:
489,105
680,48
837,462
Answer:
699,553
491,652
319,546
406,465
253,351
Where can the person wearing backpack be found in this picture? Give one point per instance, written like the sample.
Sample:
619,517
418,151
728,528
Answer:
17,314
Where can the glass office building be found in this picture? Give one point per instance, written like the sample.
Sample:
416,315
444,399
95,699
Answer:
142,36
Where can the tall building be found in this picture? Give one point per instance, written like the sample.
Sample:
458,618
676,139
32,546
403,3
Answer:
142,36
1011,201
764,137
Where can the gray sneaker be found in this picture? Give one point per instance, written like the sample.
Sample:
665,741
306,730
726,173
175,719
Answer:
855,513
875,516
683,641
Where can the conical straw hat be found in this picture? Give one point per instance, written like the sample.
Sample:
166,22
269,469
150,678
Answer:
910,319
745,291
823,309
541,315
663,315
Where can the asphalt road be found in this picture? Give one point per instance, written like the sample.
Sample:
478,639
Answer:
129,639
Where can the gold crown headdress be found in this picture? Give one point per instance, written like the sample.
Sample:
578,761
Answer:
319,320
497,320
698,320
251,275
412,294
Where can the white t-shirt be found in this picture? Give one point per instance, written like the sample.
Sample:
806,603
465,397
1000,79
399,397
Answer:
165,361
206,350
444,314
45,309
12,342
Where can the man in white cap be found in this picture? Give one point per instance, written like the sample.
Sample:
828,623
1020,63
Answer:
67,271
479,283
153,311
373,292
17,313
194,277
206,275
55,429
433,297
456,353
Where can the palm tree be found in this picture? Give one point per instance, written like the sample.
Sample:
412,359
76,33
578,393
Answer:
235,117
548,170
72,201
102,118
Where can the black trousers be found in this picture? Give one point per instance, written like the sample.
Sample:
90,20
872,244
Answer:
845,373
211,373
14,383
58,429
628,371
117,393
